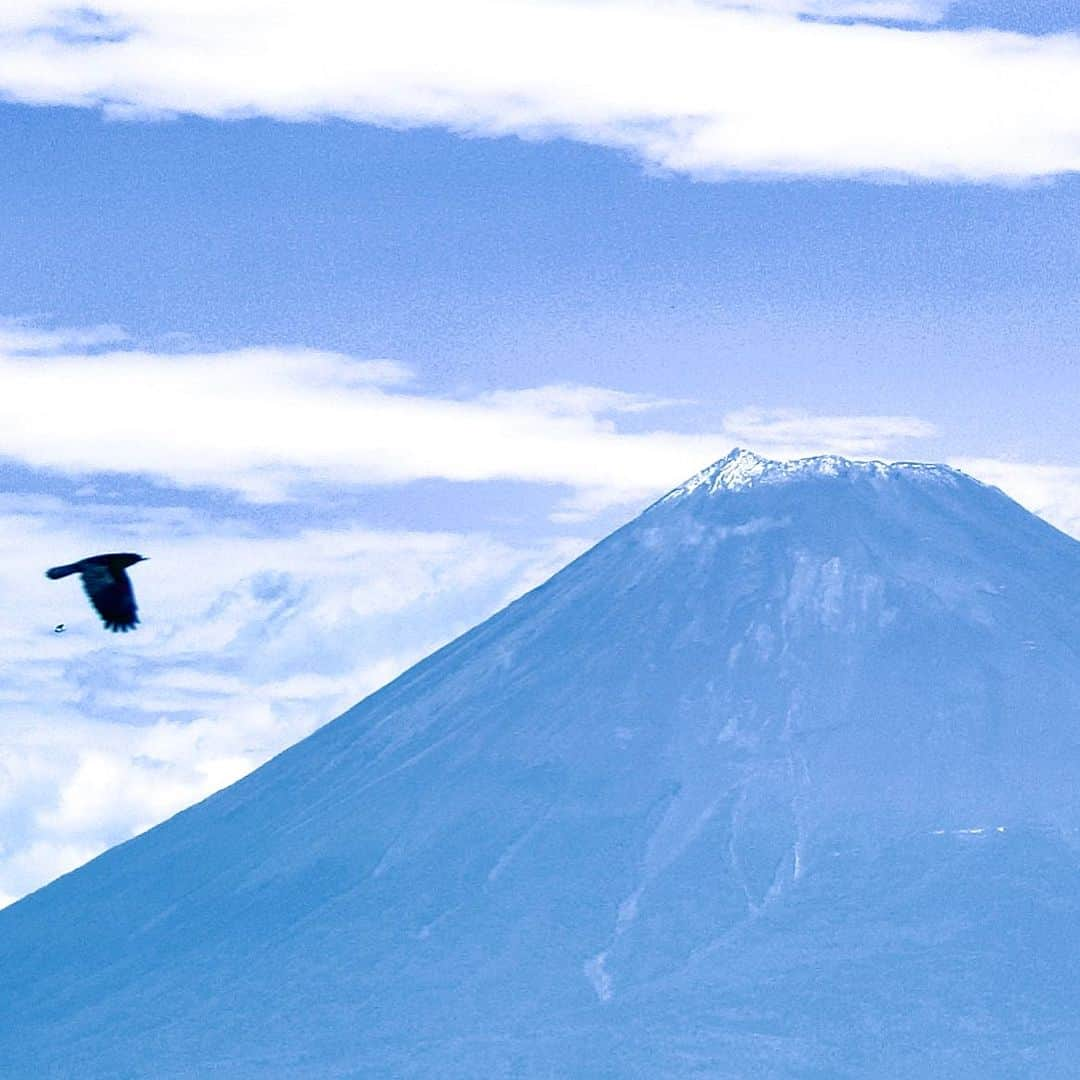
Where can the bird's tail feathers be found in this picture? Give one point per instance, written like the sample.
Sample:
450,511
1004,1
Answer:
62,571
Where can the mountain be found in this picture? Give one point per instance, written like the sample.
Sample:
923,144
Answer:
781,779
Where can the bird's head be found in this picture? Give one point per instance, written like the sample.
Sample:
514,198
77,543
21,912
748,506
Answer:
128,558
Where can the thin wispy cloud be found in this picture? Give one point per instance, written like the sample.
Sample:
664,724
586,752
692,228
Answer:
266,423
23,337
788,432
917,11
703,88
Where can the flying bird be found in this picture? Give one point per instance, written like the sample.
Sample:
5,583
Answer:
105,581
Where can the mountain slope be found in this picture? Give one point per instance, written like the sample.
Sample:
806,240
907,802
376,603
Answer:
780,779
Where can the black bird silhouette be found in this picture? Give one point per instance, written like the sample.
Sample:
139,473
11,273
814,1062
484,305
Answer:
106,583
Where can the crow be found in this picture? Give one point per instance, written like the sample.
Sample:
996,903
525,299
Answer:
106,583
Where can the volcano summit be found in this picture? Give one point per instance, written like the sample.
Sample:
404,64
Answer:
782,779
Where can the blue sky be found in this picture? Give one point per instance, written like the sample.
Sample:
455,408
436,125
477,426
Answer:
359,323
488,264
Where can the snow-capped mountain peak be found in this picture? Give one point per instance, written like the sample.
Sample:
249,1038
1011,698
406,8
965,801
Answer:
742,469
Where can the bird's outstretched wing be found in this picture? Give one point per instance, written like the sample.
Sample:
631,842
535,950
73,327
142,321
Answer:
111,594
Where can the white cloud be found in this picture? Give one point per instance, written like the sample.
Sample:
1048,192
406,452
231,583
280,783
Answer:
923,11
23,337
267,422
1051,491
574,400
699,87
43,861
791,433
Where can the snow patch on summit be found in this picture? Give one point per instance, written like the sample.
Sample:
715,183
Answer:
743,469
